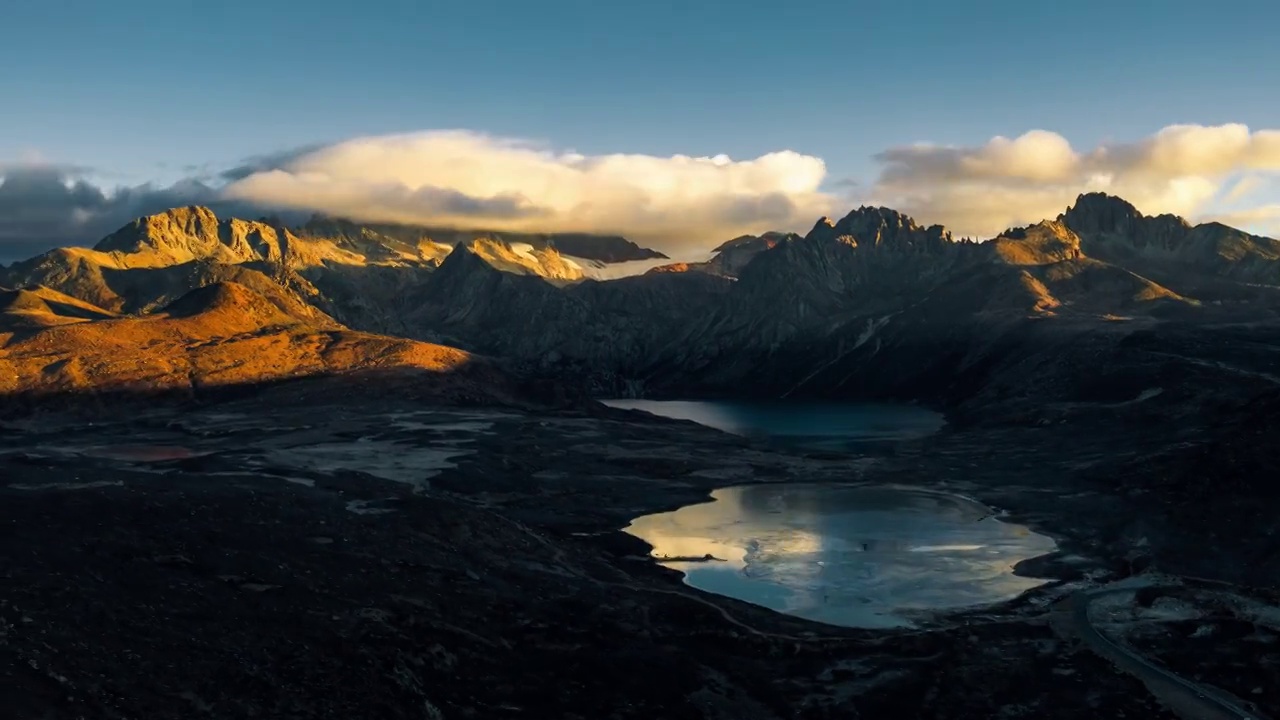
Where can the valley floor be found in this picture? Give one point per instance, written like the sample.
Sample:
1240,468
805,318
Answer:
262,559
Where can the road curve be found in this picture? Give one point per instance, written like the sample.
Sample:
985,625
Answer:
1185,698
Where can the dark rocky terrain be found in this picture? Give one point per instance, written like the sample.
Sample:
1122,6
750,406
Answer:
870,305
333,537
730,257
290,557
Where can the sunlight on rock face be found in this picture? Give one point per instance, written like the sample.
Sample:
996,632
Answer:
841,555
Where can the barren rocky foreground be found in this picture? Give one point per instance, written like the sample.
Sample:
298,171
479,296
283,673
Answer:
284,557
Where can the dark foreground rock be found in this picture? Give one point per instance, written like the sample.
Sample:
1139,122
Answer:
317,560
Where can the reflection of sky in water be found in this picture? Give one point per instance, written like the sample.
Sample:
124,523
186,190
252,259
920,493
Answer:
796,420
845,556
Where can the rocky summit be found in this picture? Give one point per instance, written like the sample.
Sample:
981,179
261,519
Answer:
346,470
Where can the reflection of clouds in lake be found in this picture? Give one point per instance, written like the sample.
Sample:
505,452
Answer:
726,529
845,555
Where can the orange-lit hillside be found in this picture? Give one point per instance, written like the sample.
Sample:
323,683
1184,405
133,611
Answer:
216,336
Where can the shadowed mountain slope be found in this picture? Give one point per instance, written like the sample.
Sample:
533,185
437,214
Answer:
42,307
1210,261
870,305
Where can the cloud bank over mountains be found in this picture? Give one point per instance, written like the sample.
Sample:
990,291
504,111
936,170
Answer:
466,179
43,206
1196,171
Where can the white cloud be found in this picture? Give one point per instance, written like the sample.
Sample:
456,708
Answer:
1242,188
1263,219
1190,170
466,179
680,204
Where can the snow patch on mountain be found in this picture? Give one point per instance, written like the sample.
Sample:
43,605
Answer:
597,270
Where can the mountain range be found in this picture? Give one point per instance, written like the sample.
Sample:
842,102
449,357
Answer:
216,340
871,305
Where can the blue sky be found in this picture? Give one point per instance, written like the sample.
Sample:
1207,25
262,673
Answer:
129,86
146,89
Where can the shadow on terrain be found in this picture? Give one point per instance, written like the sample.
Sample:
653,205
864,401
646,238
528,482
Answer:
474,382
241,579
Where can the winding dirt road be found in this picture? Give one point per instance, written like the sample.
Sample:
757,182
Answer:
1185,698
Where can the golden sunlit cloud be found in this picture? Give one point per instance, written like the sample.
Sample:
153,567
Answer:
1266,218
466,179
683,204
979,191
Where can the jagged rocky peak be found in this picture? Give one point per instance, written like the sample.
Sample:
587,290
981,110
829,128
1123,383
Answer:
164,229
462,274
879,227
522,258
195,232
823,227
1046,242
463,259
1100,213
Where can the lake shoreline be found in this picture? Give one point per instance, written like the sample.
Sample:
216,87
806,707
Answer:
835,534
508,562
